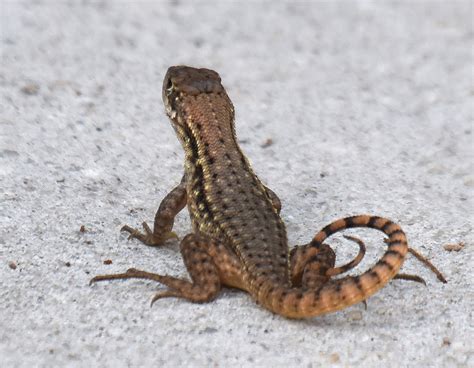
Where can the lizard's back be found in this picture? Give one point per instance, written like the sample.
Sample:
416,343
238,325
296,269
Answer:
226,199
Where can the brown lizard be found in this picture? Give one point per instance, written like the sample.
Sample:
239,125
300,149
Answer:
238,238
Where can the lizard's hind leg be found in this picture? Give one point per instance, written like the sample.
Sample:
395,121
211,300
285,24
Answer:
420,257
428,264
352,264
205,284
312,265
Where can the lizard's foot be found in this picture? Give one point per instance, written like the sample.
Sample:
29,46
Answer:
149,237
197,292
205,284
133,273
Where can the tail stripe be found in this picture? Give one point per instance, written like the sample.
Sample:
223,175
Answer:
384,263
395,253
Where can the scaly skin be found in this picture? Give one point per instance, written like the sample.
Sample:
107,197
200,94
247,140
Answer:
238,238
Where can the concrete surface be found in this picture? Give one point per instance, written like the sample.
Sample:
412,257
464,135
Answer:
369,106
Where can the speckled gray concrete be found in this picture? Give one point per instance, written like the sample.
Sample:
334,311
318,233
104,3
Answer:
369,106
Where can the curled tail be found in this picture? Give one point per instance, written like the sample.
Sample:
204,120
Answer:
295,302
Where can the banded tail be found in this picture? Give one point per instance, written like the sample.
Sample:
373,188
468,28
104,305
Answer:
300,302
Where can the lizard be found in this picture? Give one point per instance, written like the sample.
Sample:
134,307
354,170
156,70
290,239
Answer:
239,239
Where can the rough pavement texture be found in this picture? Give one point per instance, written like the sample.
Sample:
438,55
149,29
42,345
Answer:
369,106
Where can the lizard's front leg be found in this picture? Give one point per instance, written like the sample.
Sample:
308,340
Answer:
164,218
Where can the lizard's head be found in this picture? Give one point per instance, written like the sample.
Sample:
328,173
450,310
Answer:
198,107
182,82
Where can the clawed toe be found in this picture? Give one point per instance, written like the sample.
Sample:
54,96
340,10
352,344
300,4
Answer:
148,237
116,276
128,229
134,233
164,294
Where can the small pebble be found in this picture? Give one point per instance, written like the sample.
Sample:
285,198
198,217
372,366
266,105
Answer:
267,143
455,247
30,89
354,315
334,358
